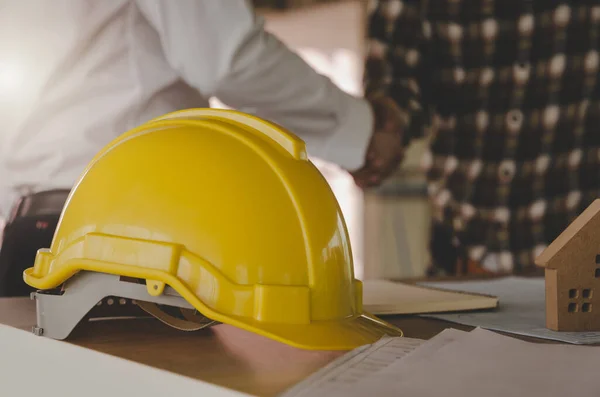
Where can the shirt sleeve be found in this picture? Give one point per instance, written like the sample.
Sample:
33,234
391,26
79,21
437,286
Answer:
222,49
397,62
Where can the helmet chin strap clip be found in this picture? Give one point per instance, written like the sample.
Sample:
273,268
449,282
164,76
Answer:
100,296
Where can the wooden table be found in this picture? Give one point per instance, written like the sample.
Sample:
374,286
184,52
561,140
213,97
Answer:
222,355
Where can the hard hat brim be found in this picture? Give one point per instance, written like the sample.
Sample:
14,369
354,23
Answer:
344,334
339,334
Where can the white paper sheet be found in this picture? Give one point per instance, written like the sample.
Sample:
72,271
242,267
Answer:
424,352
521,310
33,366
385,377
483,363
341,375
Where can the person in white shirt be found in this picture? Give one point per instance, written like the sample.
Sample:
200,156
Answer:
75,74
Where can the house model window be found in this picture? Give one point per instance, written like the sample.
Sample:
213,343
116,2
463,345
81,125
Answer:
572,271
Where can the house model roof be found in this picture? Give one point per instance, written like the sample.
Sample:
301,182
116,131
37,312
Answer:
571,231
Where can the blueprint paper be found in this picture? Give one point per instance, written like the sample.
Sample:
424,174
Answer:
484,363
341,375
456,364
521,311
424,352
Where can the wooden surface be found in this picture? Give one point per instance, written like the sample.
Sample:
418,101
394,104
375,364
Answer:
223,355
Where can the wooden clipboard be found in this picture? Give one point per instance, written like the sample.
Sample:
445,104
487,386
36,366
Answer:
383,297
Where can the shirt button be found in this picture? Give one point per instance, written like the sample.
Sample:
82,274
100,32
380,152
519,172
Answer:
477,165
591,61
537,210
486,76
550,117
562,14
455,32
481,120
502,215
526,23
506,171
557,65
489,29
459,75
521,72
573,200
467,211
514,120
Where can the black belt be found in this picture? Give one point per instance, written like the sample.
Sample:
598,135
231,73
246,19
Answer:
31,226
49,202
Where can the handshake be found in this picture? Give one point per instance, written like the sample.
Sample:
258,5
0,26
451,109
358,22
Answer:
386,148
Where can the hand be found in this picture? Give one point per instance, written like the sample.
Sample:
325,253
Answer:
386,149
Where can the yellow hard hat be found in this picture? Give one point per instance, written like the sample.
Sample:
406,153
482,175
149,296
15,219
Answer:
227,210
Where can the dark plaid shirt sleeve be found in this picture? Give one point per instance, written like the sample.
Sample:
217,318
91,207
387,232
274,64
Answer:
396,64
513,89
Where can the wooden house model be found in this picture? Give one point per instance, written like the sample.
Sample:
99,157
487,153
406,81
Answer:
572,272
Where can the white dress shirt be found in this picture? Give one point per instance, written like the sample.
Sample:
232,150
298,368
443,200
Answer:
75,74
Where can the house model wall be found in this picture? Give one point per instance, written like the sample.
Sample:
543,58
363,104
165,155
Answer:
572,273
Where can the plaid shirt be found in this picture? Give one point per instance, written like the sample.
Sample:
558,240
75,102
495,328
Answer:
508,92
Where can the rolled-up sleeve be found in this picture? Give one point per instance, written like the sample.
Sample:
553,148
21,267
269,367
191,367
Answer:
222,49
